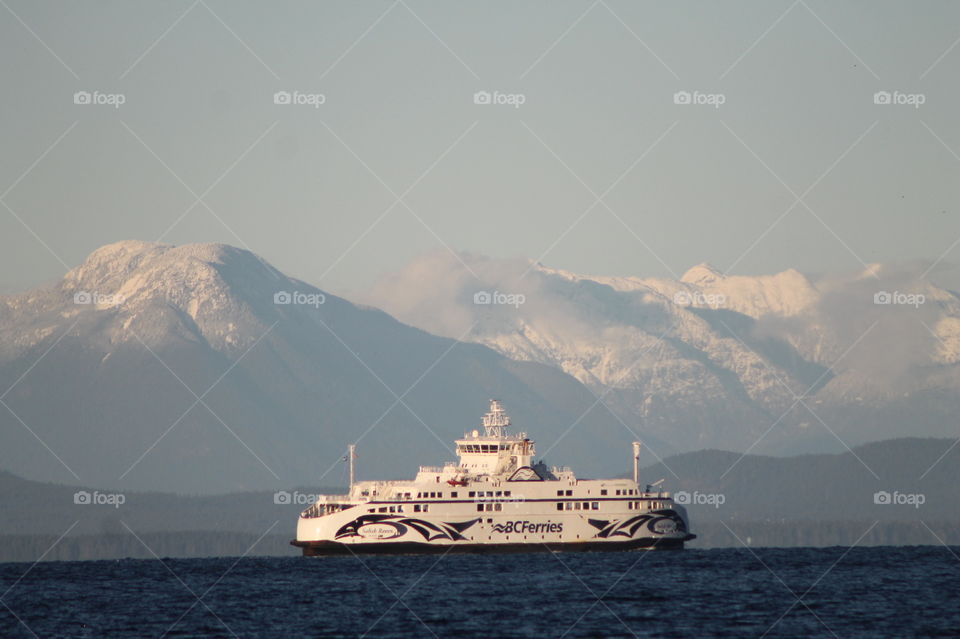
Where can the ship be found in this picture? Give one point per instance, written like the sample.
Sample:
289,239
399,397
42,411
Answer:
495,498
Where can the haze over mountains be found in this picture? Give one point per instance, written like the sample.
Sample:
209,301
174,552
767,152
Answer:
712,361
154,367
202,369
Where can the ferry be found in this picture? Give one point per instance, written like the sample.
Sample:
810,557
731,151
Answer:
496,498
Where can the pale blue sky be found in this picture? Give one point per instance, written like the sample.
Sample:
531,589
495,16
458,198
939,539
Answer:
798,80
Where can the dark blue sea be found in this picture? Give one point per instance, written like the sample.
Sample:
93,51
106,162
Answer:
796,592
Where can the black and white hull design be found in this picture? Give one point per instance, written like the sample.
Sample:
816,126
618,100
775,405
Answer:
495,499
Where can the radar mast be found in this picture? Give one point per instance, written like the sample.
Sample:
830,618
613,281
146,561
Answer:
495,421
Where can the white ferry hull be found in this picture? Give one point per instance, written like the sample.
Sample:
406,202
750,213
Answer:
373,533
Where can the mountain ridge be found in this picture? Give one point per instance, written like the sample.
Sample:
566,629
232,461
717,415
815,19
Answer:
711,359
201,368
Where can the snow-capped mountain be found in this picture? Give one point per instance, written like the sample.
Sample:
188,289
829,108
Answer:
709,360
201,368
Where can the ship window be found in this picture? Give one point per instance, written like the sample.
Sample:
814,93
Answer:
576,506
453,494
498,507
559,505
371,510
426,507
603,492
506,493
400,508
568,506
393,509
489,521
499,494
618,491
384,509
559,493
569,493
416,508
472,493
586,505
479,508
595,506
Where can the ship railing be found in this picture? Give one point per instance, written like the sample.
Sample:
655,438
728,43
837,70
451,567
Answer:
332,498
319,509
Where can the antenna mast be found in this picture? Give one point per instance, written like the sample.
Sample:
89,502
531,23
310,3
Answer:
351,453
636,462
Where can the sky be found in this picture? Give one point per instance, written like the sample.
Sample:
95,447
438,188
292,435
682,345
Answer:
620,138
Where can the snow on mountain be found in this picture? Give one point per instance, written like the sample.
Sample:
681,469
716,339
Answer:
201,368
710,359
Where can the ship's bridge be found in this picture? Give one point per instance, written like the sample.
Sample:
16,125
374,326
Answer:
494,451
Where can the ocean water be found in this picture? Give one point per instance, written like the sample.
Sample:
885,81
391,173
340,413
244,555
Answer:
796,592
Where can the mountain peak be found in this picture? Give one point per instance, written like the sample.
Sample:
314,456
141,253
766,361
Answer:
703,273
